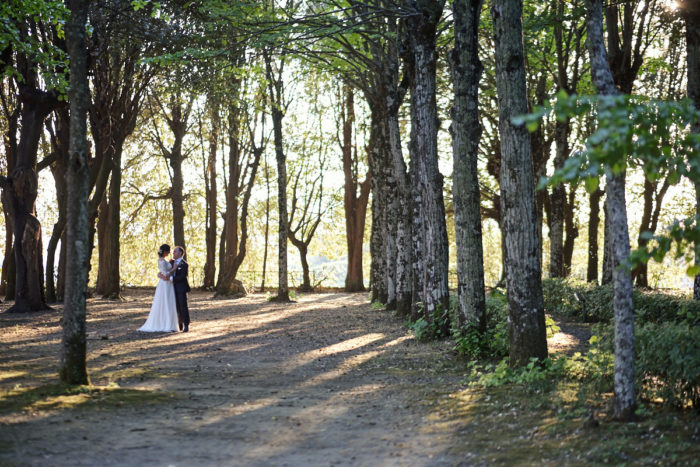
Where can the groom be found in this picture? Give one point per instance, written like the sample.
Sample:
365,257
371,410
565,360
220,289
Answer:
181,286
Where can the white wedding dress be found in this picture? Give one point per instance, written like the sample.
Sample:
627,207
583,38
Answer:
163,314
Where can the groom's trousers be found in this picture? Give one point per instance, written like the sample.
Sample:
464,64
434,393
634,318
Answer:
183,312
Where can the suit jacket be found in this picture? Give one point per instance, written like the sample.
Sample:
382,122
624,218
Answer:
180,276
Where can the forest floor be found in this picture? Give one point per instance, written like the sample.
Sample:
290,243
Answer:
327,380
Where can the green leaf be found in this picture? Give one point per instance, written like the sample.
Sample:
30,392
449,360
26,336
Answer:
591,184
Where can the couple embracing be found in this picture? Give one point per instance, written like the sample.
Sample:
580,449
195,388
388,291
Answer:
169,310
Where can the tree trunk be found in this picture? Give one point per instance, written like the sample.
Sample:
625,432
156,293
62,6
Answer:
56,234
60,147
466,133
625,399
267,224
211,193
276,97
403,285
73,369
570,229
355,206
378,274
9,254
303,253
651,211
21,186
7,278
108,226
519,218
691,14
608,265
177,191
558,202
593,223
428,181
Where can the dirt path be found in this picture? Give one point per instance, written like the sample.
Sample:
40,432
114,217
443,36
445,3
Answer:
324,381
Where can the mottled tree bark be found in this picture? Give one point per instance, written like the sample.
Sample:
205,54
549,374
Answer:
73,369
519,219
427,181
377,163
402,205
466,133
625,398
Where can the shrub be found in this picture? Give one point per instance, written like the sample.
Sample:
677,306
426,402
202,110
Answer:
668,363
492,343
593,303
433,329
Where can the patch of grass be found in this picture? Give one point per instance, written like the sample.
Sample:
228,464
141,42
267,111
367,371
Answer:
516,426
53,397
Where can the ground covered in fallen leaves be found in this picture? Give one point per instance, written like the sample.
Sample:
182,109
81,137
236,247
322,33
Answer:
327,380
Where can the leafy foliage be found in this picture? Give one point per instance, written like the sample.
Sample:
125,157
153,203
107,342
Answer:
23,27
652,134
593,303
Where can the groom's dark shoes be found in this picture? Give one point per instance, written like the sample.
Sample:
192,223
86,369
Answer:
187,328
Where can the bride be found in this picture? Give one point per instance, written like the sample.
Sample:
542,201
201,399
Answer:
163,314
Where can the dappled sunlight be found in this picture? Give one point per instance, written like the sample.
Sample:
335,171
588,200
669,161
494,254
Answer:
252,379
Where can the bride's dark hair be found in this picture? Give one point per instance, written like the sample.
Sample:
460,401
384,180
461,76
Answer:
164,248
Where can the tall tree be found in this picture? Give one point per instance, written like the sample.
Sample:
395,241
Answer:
518,217
36,62
569,46
625,399
177,115
307,207
274,73
426,180
466,133
355,203
691,14
243,169
211,193
60,140
119,40
630,30
73,368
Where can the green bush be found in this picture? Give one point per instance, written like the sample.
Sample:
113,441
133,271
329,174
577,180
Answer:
494,342
668,363
593,303
435,328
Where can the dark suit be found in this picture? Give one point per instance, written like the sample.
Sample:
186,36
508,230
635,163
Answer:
181,286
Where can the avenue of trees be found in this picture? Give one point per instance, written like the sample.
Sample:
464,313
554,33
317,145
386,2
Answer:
209,122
